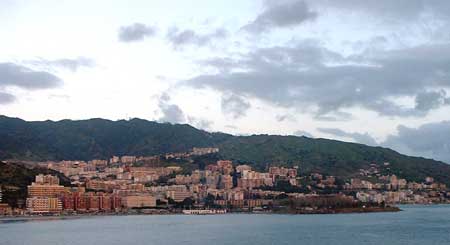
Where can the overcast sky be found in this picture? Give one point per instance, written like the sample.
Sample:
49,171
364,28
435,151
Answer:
375,71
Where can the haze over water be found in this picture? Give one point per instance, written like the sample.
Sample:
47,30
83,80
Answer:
415,225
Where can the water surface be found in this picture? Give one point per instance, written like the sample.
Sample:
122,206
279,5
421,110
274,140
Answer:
415,225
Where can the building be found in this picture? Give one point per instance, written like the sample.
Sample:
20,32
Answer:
226,182
242,168
178,195
225,166
46,180
98,163
114,159
45,186
38,190
128,159
204,151
1,195
44,205
139,201
5,209
44,195
283,172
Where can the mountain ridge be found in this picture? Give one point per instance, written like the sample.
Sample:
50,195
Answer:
103,138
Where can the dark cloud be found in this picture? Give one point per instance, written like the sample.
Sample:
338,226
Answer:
429,140
234,105
171,113
19,76
282,14
6,98
179,38
357,137
136,32
427,101
70,64
391,10
310,75
303,133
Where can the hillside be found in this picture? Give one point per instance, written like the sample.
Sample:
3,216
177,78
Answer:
96,138
329,156
99,138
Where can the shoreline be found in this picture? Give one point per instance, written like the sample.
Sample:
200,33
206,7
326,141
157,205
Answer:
292,212
359,210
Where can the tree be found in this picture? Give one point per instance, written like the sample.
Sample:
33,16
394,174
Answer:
188,202
209,200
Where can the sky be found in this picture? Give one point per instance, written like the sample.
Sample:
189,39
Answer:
375,72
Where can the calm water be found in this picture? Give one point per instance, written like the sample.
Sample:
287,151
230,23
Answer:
415,225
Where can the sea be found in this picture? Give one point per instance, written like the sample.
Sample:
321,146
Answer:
414,225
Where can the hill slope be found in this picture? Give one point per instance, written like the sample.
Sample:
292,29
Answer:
96,138
329,156
99,138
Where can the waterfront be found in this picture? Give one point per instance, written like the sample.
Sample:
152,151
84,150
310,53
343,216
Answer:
414,225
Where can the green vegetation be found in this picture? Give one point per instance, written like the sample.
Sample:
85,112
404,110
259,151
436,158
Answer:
329,157
99,138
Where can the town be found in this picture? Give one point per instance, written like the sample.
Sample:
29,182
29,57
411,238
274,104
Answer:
157,185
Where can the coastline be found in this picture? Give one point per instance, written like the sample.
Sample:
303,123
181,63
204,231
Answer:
291,212
358,210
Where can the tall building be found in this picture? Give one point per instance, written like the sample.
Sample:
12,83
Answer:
38,190
44,195
226,182
1,195
225,166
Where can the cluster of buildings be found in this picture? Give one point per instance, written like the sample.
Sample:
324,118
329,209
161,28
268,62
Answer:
46,195
118,185
130,183
196,151
390,189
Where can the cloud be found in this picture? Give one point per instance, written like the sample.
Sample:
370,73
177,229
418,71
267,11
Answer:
234,105
334,116
171,113
200,123
179,38
303,133
308,75
6,98
429,140
285,117
231,127
357,137
70,64
13,75
136,32
391,10
285,14
427,101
